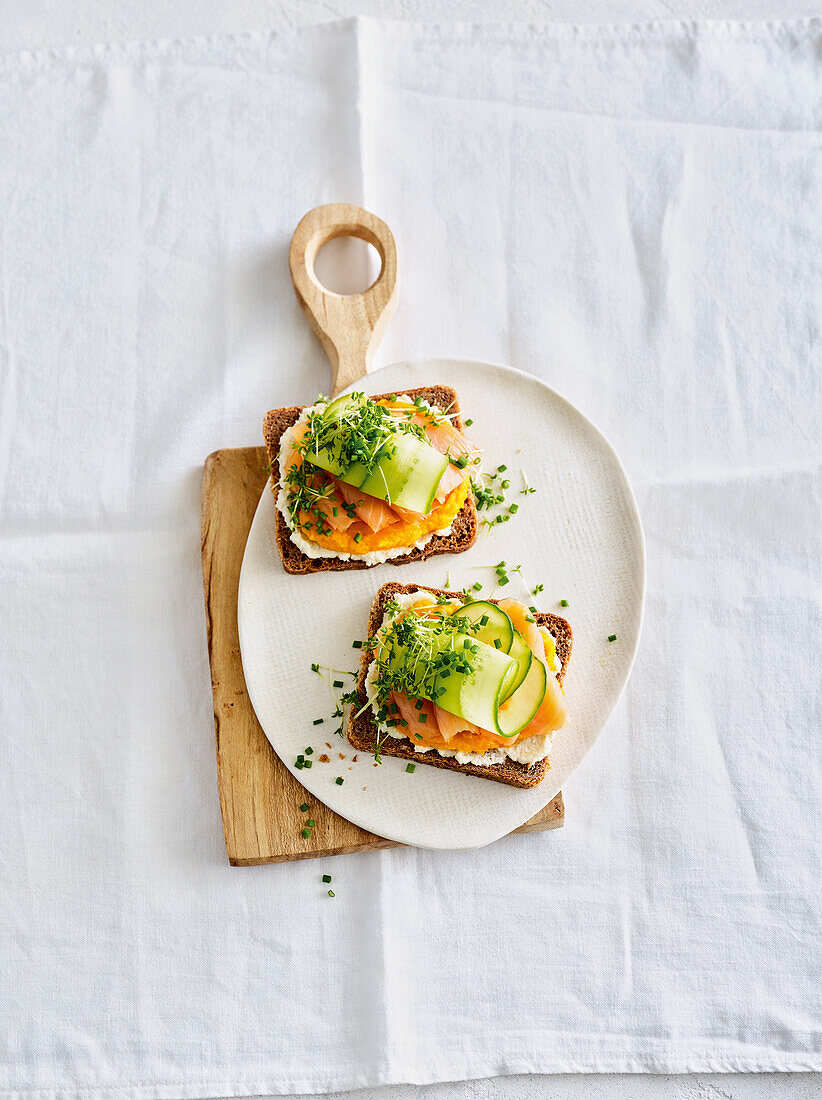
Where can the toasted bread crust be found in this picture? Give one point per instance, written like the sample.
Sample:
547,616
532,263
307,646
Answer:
362,729
464,527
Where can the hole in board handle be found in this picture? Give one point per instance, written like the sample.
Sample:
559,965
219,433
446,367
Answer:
347,265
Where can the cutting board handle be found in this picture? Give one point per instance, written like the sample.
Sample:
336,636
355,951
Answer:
349,326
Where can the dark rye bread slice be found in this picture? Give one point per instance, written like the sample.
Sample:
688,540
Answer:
362,729
463,528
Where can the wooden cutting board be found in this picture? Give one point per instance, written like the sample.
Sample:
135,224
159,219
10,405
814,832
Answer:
259,798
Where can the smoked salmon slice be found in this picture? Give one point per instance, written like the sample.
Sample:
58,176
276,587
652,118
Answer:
449,441
418,718
450,725
406,515
329,505
375,513
451,478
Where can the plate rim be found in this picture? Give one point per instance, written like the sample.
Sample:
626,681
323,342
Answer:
397,836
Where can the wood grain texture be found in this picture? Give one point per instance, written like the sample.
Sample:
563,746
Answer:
259,797
349,326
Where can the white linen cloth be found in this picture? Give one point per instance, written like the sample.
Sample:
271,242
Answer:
631,213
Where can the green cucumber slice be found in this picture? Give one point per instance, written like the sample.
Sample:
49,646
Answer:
408,473
521,652
409,476
477,697
496,624
517,711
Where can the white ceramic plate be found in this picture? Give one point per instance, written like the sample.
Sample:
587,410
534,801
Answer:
579,535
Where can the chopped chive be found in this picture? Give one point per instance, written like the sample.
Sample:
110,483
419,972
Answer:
514,509
318,721
306,833
334,511
612,637
419,735
476,586
423,720
338,684
300,758
304,806
533,610
484,620
315,668
468,423
418,705
326,878
497,643
530,619
501,469
308,763
331,894
309,751
410,767
564,603
504,580
358,536
356,645
339,781
311,823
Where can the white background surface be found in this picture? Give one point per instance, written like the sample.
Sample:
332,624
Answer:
32,24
